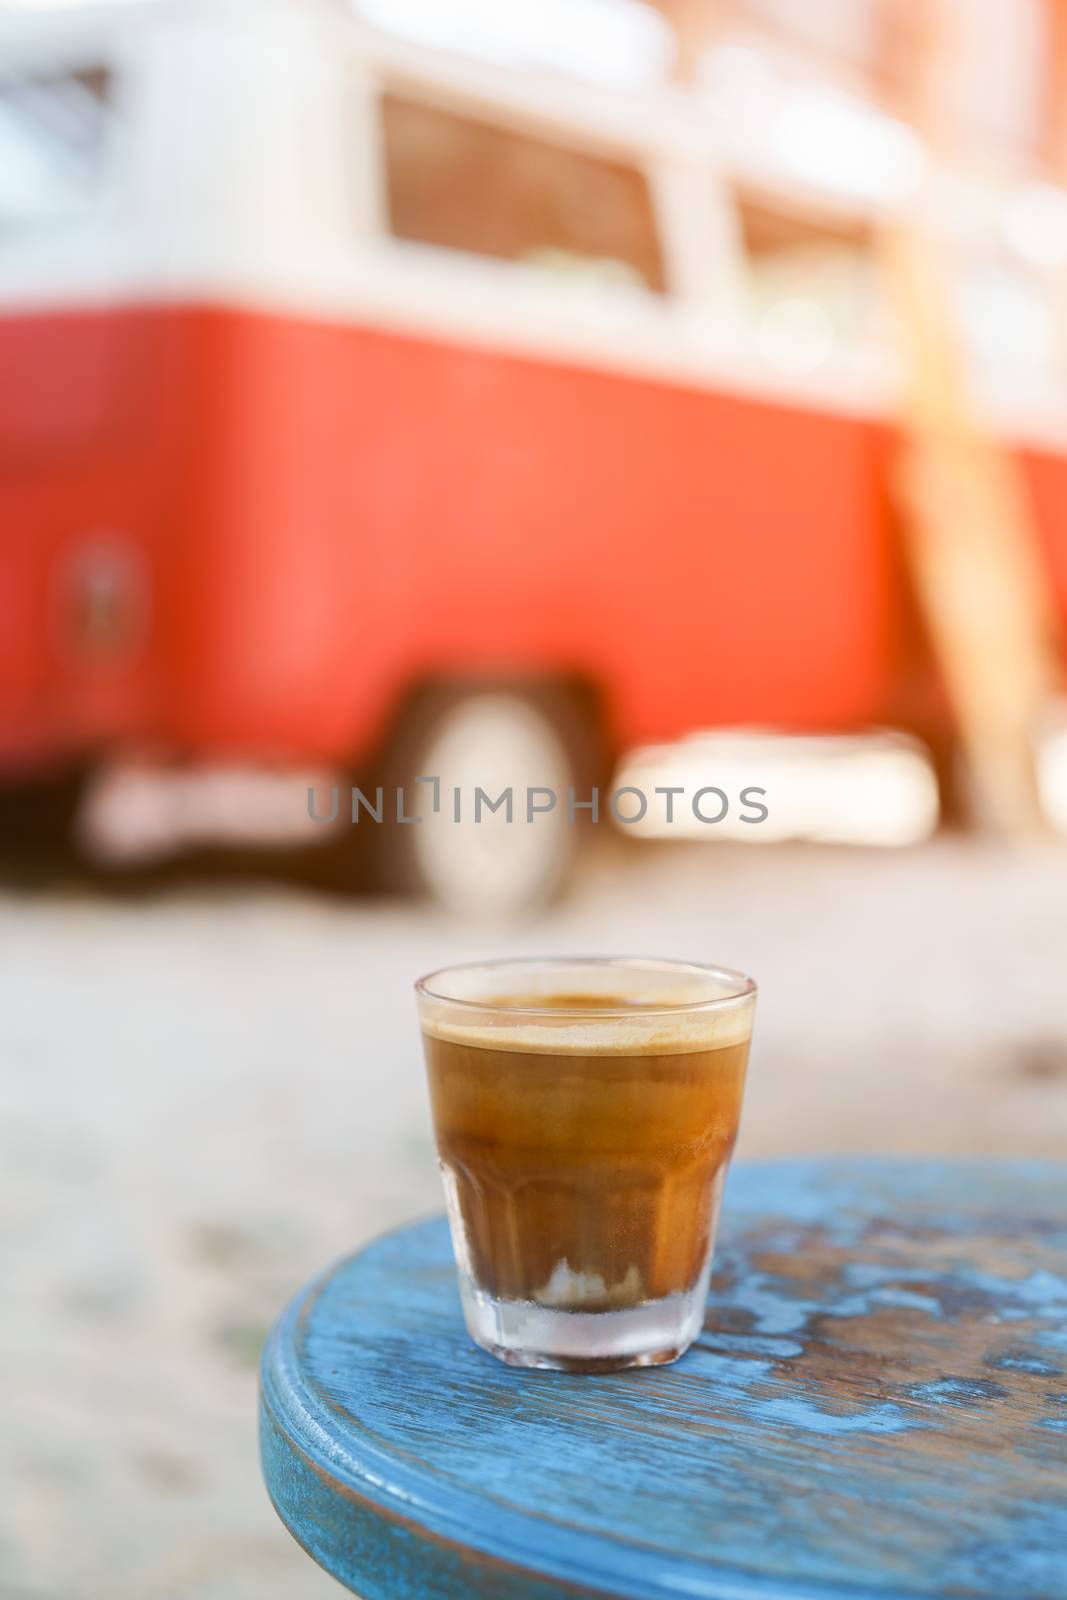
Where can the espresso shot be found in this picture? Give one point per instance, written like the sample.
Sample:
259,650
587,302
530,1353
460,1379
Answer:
585,1117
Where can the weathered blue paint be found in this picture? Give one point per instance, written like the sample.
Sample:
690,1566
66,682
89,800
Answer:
876,1408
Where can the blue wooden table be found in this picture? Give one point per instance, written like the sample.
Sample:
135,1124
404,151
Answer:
877,1407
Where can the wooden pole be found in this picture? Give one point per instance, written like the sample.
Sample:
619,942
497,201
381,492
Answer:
696,23
969,528
1054,99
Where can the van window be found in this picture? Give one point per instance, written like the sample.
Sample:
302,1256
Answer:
52,135
842,30
813,284
466,184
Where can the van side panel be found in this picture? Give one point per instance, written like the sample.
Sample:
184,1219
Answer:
300,519
388,508
78,654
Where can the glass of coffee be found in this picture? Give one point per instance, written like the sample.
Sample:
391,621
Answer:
585,1112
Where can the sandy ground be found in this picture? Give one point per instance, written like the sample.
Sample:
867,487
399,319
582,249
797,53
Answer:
205,1097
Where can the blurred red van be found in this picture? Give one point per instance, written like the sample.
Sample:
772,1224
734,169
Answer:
350,385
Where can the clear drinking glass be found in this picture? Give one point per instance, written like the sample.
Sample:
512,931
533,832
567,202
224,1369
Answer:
585,1112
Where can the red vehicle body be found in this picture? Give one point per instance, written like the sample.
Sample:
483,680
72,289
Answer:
678,549
261,478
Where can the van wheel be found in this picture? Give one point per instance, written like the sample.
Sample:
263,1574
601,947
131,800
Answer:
496,740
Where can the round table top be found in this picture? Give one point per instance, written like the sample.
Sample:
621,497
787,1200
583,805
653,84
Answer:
877,1407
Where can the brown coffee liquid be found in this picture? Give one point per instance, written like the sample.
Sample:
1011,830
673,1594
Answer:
585,1181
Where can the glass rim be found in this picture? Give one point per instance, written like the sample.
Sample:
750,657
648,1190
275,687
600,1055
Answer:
739,985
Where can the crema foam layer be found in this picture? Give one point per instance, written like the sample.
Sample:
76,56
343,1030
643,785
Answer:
545,1029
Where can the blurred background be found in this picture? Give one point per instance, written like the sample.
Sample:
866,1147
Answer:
585,394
